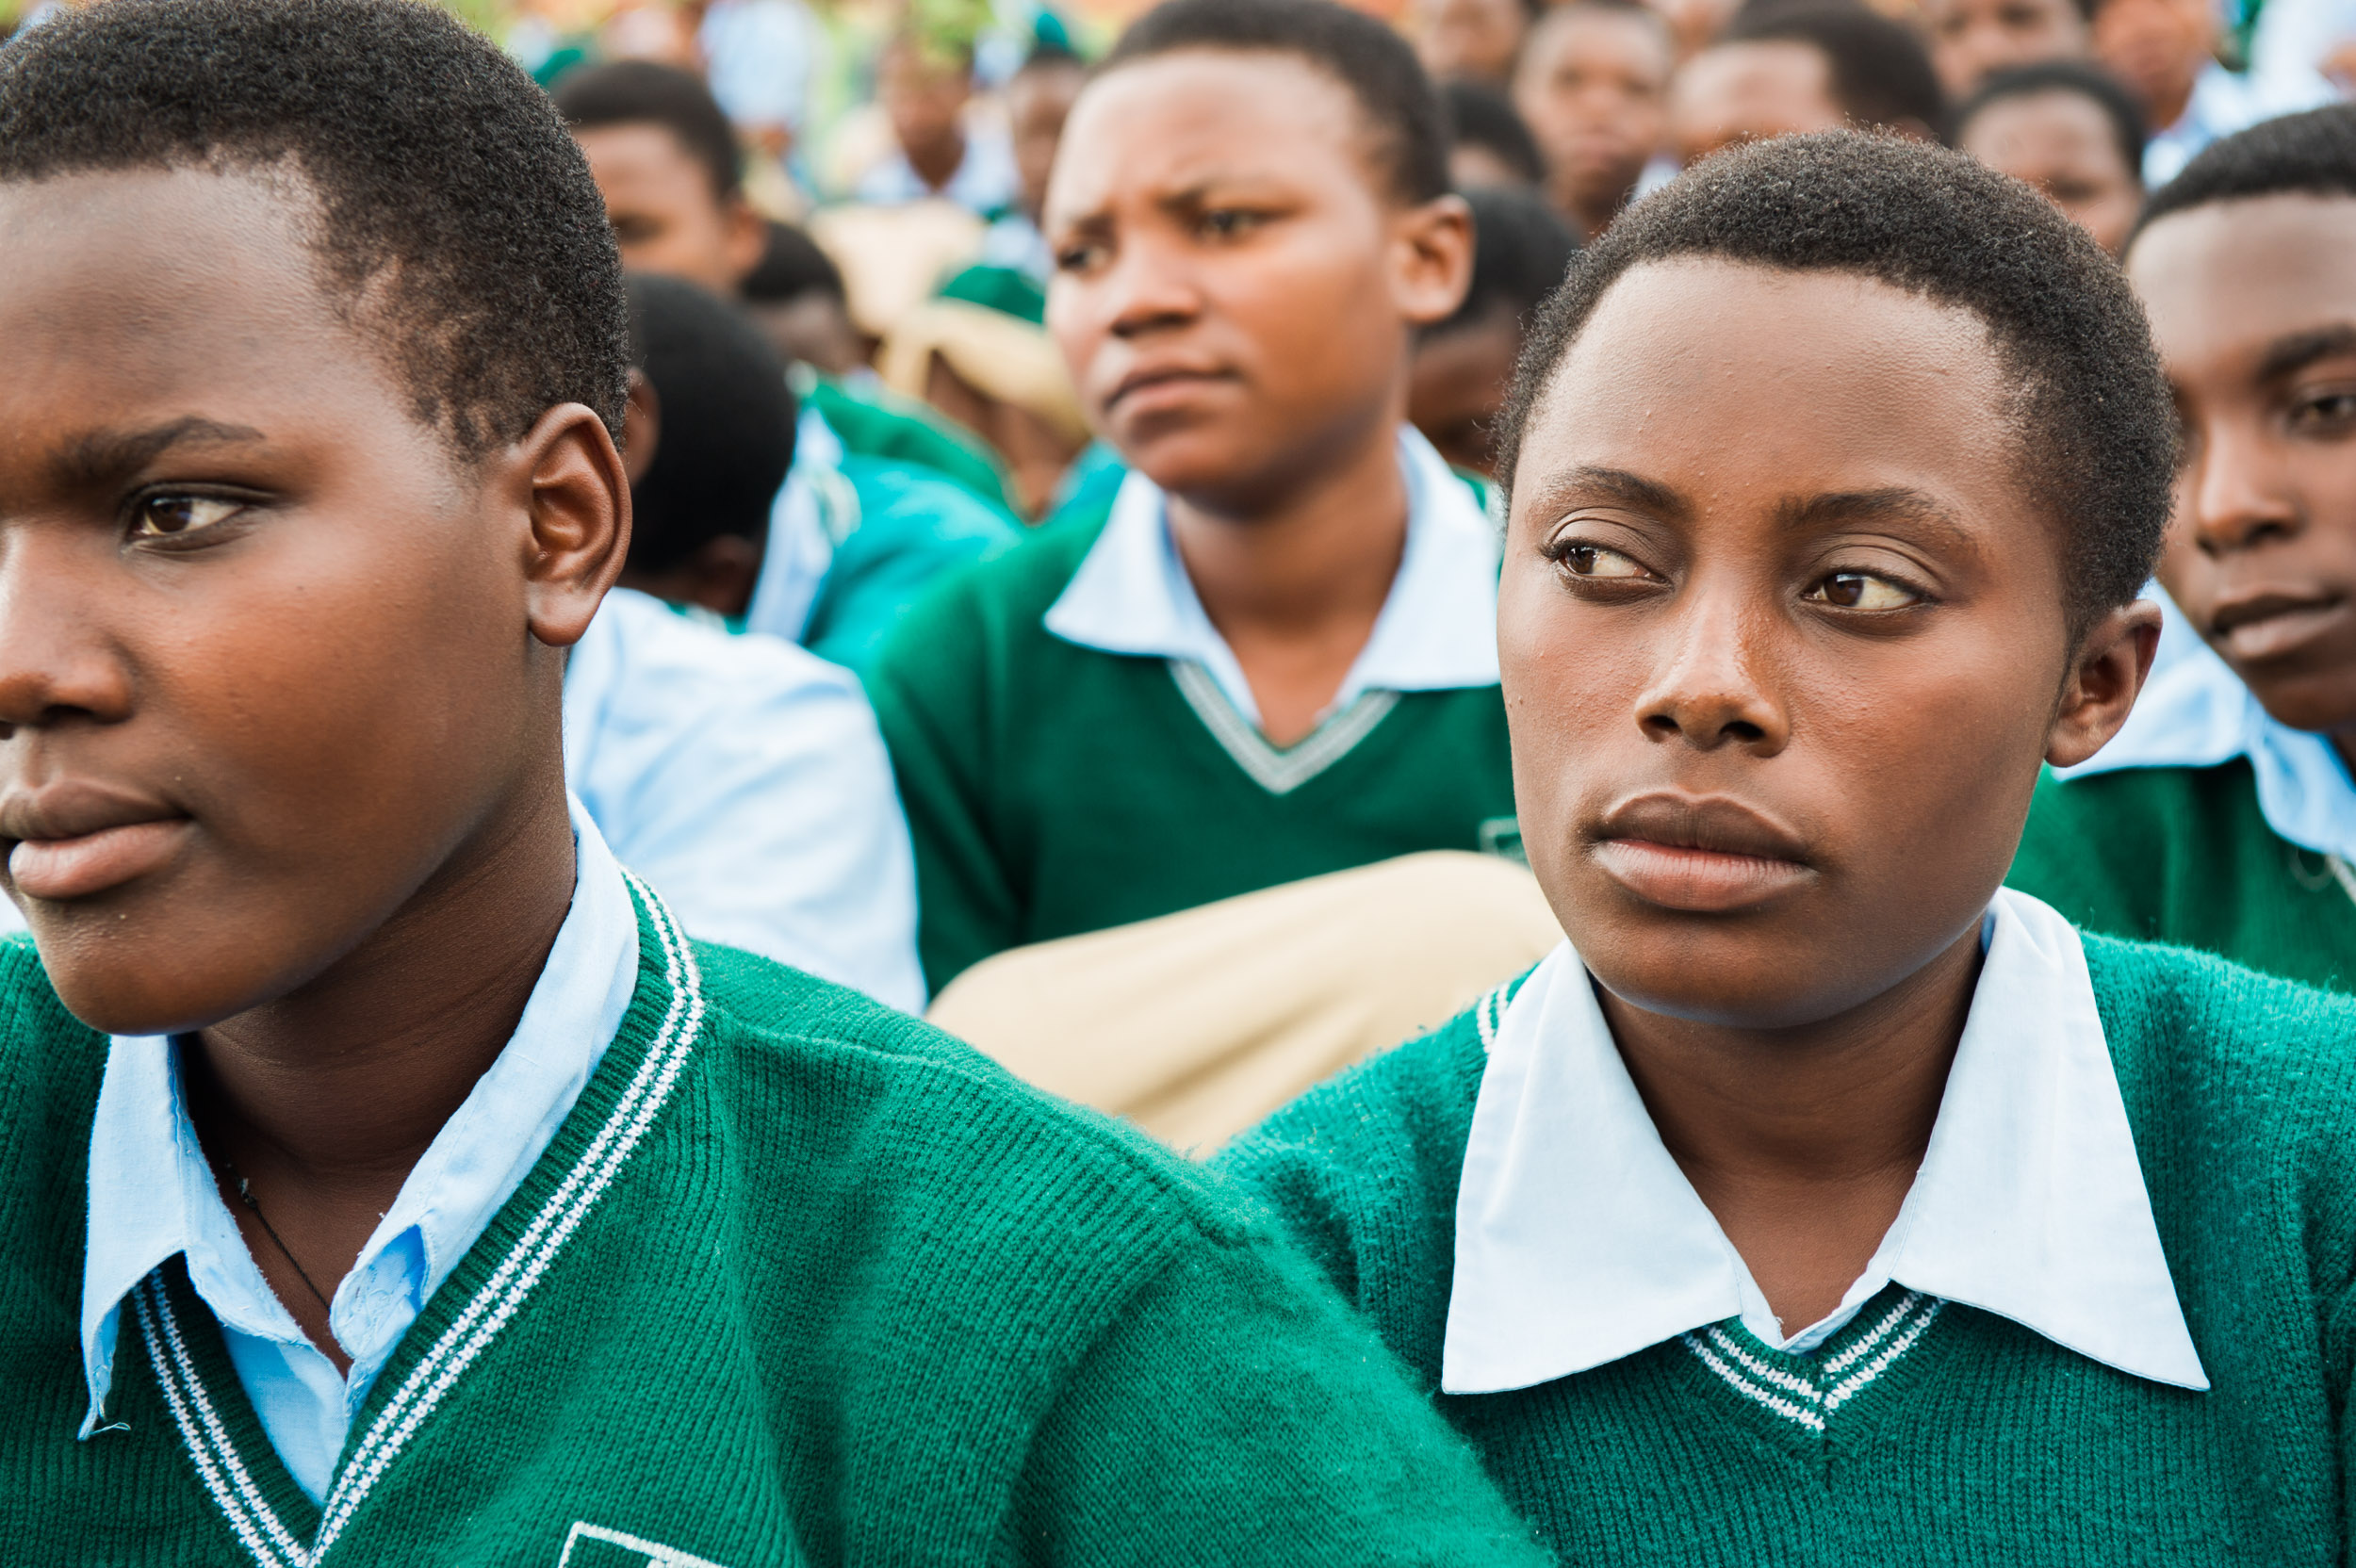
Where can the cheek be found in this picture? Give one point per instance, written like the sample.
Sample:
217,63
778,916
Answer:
1316,308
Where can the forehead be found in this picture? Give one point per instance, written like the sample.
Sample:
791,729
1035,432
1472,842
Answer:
2042,125
129,298
1174,122
1742,81
2223,282
1731,383
642,160
1584,33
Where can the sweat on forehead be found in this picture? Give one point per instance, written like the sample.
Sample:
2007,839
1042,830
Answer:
449,198
2092,409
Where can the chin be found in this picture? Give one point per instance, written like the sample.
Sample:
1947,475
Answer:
2320,701
153,973
1205,457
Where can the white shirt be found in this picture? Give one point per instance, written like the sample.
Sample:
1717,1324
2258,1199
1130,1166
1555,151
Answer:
2196,712
746,780
1579,1241
986,181
2221,104
152,1194
1436,631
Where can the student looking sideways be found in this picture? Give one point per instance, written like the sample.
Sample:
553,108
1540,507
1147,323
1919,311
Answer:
1274,655
1837,1202
434,1199
2223,817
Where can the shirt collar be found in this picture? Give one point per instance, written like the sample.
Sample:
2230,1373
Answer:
151,1192
1578,1240
2196,712
1436,631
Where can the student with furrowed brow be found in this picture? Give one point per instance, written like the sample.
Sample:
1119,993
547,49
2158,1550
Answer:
1819,1200
434,1199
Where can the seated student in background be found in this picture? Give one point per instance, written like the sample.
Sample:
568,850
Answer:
2068,129
924,82
1973,40
1851,1207
1274,655
1038,98
2165,52
436,1200
1463,365
1488,144
794,294
2223,816
1593,85
826,551
1786,70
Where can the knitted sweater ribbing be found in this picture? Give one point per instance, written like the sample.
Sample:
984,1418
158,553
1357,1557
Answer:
1927,1431
799,1281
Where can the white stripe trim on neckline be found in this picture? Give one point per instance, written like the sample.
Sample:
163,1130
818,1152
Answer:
1280,773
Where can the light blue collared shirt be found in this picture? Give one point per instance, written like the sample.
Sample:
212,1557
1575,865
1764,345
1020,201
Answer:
1437,629
986,181
2196,712
1579,1241
153,1193
745,779
2222,102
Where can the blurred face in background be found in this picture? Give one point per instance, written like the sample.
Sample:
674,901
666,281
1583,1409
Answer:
2158,48
1594,87
1039,101
666,217
1971,38
1458,386
1475,40
1237,278
2062,143
924,92
1750,92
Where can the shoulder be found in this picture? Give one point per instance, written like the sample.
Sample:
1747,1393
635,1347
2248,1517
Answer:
642,663
907,501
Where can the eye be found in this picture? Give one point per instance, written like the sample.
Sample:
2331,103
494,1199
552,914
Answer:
1594,561
1229,223
1863,591
2334,408
1079,257
173,516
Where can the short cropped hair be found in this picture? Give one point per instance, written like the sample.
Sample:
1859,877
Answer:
1381,73
791,265
2092,83
2090,407
1477,116
726,422
1881,74
641,92
442,177
1521,250
2312,153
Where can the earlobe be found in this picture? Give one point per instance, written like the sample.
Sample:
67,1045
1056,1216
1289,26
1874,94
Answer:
578,505
2113,660
1436,245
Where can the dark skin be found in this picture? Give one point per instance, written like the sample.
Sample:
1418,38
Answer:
1236,291
1970,39
280,684
1593,87
1749,92
1458,386
1720,632
2254,312
665,214
924,92
2158,48
2061,143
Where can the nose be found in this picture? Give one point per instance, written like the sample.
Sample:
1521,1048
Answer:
2232,496
1148,288
1709,692
56,662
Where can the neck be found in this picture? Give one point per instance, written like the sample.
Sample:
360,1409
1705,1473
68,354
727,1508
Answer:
1593,211
1805,1141
327,1096
2168,106
1295,579
936,163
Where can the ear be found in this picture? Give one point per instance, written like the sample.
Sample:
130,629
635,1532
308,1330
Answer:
747,238
642,427
578,499
1433,247
2113,659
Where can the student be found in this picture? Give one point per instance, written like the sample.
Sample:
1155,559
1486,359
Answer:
1841,1204
469,1214
1521,249
923,83
1972,39
794,294
827,549
1488,143
1785,71
2223,818
1271,656
1038,96
1593,85
2069,130
2165,51
1472,40
666,161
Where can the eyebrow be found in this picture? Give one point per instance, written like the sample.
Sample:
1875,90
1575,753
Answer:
99,457
1591,482
1895,504
2286,355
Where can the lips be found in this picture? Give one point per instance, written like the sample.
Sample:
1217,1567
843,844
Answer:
1161,383
77,838
1705,854
2263,624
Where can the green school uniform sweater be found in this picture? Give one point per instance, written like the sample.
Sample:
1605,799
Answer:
1930,1433
883,425
1052,788
799,1281
2184,856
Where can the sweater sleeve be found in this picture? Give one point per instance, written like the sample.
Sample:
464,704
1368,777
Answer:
1235,1412
930,686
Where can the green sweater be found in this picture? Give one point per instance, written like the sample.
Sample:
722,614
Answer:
2183,855
1052,788
799,1279
1975,1441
